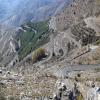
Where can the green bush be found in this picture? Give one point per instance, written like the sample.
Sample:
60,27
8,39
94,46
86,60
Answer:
79,97
97,69
13,98
97,42
98,79
38,54
2,97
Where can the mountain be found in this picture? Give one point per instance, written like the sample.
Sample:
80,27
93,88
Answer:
17,12
54,59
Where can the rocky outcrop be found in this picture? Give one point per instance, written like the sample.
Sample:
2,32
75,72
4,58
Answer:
93,93
76,27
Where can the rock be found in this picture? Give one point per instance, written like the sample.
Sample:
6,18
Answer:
26,98
0,71
8,73
20,83
93,94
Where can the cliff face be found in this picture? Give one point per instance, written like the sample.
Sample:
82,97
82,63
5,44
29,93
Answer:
78,26
8,44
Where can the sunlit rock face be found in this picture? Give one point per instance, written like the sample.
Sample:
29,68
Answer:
94,94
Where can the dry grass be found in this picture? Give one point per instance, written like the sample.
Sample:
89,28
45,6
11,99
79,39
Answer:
34,86
79,97
98,42
89,58
98,2
98,79
97,69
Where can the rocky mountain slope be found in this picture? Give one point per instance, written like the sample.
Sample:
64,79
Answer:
70,39
8,44
77,27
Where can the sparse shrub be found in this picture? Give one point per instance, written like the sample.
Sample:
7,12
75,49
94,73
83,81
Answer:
79,97
98,2
38,54
97,69
13,98
76,79
79,79
2,97
98,42
96,55
2,92
79,75
98,79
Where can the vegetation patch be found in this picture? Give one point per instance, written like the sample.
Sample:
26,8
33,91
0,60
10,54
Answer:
38,54
98,79
32,36
98,42
97,69
79,97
